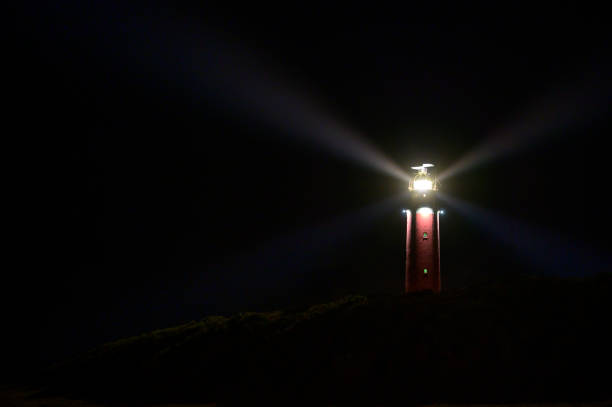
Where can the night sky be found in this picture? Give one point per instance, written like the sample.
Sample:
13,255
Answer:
171,165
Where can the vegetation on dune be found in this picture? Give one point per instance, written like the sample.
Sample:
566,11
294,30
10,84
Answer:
524,339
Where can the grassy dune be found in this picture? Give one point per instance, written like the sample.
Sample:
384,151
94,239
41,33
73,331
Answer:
22,398
525,340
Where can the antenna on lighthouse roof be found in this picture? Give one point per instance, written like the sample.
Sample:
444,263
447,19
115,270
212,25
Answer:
422,168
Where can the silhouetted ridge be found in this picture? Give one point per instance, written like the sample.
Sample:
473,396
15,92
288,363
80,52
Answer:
523,339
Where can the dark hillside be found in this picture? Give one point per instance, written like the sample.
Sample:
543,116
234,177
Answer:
525,339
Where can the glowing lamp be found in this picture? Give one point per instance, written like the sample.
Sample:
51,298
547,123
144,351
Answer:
423,181
423,184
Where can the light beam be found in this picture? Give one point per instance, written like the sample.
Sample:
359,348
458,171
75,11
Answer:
543,119
183,55
246,85
287,258
534,246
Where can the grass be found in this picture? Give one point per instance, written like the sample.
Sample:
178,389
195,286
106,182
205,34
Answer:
521,340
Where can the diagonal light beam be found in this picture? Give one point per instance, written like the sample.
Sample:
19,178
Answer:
254,90
534,246
270,263
543,119
184,55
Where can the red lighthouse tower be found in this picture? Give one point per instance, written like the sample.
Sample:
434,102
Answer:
423,234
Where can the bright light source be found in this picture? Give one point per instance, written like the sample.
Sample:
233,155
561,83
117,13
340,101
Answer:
425,211
423,184
423,181
442,212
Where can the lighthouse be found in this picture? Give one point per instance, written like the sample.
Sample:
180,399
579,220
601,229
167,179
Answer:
423,233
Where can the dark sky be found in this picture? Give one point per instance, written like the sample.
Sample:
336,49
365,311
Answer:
154,190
